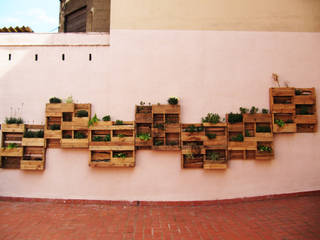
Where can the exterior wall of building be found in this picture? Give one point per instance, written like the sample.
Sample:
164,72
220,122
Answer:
244,15
211,71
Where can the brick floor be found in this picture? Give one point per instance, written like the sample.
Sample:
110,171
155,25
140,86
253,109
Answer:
291,218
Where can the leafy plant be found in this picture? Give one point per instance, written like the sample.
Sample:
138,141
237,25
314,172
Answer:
211,135
263,129
120,155
14,120
234,117
247,133
144,136
298,92
121,135
93,120
82,113
265,111
97,139
79,135
173,100
254,110
211,118
107,138
55,127
158,143
106,118
33,134
55,100
243,110
142,103
193,128
279,122
159,126
119,122
69,99
12,145
238,138
213,156
263,148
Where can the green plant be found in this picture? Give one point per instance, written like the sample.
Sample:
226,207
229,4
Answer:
211,118
80,135
142,103
67,136
82,113
213,156
211,135
263,129
189,156
263,148
265,111
106,118
107,138
243,110
158,142
144,136
97,139
33,134
119,122
55,127
93,120
173,100
55,100
12,145
234,117
159,126
14,120
247,133
298,92
279,122
193,128
121,135
254,110
69,99
238,138
120,155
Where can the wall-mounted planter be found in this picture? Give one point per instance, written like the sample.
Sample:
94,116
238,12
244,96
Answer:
13,152
32,165
143,114
33,142
174,109
52,134
14,128
74,143
282,100
287,128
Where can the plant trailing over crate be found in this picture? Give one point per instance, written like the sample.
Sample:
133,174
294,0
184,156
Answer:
265,111
159,126
193,128
243,110
211,118
33,134
173,100
213,156
55,127
234,117
119,122
158,142
144,136
263,148
79,135
93,120
263,129
238,138
106,118
14,120
82,113
12,145
211,135
254,110
55,100
279,122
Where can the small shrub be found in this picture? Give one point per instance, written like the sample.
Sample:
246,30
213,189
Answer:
159,126
238,138
173,100
13,120
263,148
298,92
12,145
68,136
55,127
213,156
33,134
93,120
254,110
144,136
193,128
211,118
119,122
211,135
107,138
234,117
82,113
279,122
55,100
243,110
265,111
158,143
79,135
106,118
97,139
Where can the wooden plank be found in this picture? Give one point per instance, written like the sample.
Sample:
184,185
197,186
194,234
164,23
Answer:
306,119
10,162
211,165
32,165
143,118
14,152
101,125
13,128
52,134
166,108
282,91
287,128
33,142
112,148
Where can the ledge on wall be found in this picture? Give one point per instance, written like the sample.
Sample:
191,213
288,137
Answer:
54,39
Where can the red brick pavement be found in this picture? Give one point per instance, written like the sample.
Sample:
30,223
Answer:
292,218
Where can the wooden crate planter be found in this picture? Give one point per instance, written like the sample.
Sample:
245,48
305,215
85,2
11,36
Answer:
192,161
289,127
33,158
220,132
189,132
264,155
282,100
305,96
12,128
220,163
146,129
13,152
143,114
33,142
53,137
166,108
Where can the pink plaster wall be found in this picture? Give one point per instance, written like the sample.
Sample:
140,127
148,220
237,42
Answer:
210,71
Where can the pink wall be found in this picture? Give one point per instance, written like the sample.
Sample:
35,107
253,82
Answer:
210,71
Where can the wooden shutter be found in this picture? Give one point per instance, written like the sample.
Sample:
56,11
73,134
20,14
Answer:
76,21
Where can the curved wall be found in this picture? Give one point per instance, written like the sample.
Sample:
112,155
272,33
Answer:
210,71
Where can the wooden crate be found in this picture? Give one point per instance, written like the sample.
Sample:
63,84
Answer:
74,143
220,130
34,142
12,128
143,128
287,128
307,96
13,152
33,158
10,162
166,108
143,114
52,134
282,100
220,163
265,155
192,136
107,158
